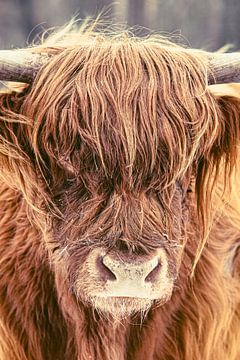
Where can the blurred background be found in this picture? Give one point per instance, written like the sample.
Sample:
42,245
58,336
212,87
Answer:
207,24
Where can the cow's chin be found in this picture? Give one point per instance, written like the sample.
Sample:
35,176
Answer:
120,307
124,307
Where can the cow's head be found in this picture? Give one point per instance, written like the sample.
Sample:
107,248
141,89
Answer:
113,146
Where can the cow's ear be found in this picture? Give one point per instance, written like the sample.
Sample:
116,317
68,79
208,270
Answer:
227,137
18,164
220,153
14,139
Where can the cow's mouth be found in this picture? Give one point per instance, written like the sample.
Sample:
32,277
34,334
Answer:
120,307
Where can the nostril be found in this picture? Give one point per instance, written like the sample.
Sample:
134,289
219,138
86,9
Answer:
105,272
153,274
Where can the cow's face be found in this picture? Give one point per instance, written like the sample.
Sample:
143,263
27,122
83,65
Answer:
113,132
118,142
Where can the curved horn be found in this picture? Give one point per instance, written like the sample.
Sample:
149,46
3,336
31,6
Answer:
23,65
225,68
20,65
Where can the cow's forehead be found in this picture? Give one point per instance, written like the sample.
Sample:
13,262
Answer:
128,109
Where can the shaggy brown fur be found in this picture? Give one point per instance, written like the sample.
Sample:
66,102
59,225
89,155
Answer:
118,144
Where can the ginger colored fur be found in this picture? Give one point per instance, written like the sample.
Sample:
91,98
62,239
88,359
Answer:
118,141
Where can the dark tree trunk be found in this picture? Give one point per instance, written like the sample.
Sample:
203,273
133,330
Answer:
230,32
136,10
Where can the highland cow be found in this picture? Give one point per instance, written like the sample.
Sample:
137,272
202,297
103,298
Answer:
119,210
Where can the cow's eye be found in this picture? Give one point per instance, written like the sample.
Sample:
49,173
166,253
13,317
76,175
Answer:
182,189
179,187
191,185
185,186
66,164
